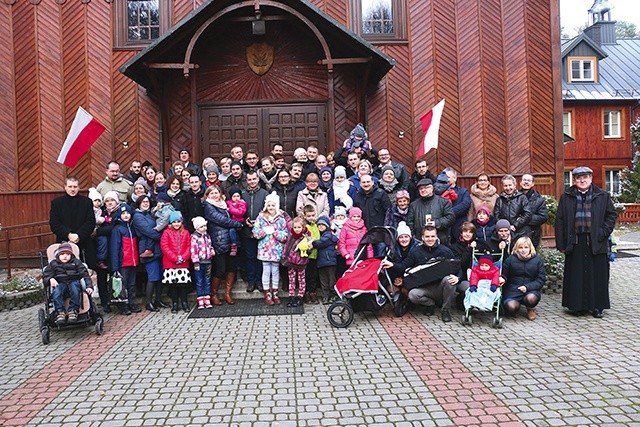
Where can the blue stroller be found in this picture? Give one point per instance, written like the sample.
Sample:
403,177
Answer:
484,300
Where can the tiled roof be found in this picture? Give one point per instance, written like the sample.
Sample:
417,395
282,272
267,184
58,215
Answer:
618,73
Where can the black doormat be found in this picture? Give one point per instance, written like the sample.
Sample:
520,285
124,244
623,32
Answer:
621,254
246,307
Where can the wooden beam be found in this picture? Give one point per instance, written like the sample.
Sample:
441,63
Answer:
171,66
337,61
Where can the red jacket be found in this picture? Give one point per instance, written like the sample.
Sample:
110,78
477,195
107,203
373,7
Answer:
492,274
174,244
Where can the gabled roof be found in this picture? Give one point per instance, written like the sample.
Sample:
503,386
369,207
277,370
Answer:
571,44
618,75
171,47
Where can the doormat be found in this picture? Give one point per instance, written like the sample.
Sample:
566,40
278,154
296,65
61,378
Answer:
246,307
621,254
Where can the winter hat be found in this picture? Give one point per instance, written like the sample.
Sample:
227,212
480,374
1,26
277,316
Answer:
112,195
163,197
142,181
486,259
403,194
484,209
324,220
234,190
273,198
184,149
340,210
94,194
146,164
387,168
235,162
359,131
355,211
403,229
64,247
424,181
124,208
213,169
502,223
340,171
326,169
198,222
175,216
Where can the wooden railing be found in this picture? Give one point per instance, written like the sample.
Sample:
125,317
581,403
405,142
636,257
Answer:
631,213
24,241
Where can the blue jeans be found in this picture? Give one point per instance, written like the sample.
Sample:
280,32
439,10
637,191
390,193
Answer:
234,236
203,279
129,281
73,289
253,266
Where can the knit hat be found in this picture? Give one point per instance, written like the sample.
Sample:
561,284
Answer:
272,198
94,194
124,208
355,211
484,209
326,169
175,216
502,223
142,181
234,190
146,164
339,210
324,220
403,194
403,229
112,195
163,197
198,222
213,169
184,149
387,168
359,131
485,259
340,171
64,247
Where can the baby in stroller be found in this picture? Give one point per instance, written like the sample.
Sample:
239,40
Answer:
484,270
64,273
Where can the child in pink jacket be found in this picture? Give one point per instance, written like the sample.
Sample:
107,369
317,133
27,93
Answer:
237,208
352,232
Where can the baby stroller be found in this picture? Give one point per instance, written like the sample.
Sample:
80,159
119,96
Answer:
364,287
483,299
88,312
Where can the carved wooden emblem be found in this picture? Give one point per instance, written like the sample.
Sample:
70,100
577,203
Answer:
260,57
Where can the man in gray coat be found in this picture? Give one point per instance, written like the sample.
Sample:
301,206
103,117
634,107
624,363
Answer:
430,209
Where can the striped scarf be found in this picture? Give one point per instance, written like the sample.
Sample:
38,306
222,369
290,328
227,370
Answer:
583,212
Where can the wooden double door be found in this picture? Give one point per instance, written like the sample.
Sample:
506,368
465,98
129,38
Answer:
260,126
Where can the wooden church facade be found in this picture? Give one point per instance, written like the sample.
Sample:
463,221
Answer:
215,78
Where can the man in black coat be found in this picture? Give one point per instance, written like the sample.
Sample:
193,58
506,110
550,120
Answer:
584,221
374,203
421,172
192,202
537,206
72,220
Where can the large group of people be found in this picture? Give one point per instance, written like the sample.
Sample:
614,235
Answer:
298,221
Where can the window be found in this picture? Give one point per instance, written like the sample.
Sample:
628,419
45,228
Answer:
582,69
612,181
379,20
139,22
612,124
567,127
568,179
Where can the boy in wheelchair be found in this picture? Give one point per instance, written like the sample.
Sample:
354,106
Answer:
64,273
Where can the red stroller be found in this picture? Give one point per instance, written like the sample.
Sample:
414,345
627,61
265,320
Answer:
364,286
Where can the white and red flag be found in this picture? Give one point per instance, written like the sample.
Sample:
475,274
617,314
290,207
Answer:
85,130
430,123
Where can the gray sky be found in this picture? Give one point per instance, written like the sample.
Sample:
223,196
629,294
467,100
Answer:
573,13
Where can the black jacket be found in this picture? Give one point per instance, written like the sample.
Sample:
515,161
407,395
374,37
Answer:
515,209
420,254
65,272
192,207
413,183
74,215
539,215
374,206
518,272
603,220
441,212
288,197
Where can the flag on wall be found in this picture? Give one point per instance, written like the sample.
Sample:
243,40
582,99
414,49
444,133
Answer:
85,130
430,123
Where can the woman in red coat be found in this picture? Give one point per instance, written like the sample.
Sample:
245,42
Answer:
175,244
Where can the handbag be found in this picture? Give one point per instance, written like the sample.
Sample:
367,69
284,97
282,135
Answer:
117,290
434,270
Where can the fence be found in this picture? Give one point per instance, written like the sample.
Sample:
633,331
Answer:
24,241
631,213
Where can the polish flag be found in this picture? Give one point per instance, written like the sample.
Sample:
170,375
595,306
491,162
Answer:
85,130
430,123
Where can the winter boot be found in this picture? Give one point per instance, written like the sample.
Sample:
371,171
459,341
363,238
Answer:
230,278
267,297
200,303
276,299
207,302
215,286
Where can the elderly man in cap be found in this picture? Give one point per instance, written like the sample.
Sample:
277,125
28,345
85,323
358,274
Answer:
430,209
584,221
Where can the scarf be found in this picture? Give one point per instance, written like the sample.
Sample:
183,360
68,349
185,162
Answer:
341,192
220,204
484,195
354,225
172,193
388,186
583,212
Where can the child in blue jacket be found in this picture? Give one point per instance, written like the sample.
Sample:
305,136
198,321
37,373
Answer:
123,253
326,261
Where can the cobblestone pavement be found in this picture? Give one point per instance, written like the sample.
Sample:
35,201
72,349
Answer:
164,369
